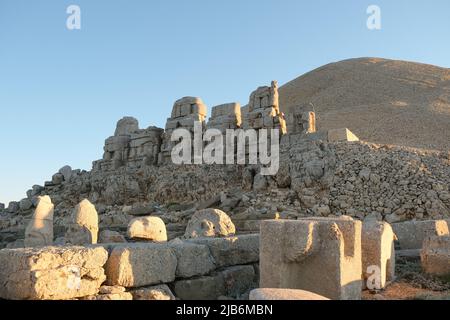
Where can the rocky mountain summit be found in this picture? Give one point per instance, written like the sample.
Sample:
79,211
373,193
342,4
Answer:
138,226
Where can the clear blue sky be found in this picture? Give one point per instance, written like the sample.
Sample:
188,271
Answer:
61,91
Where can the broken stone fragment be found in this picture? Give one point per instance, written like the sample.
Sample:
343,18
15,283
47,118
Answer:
435,256
148,228
51,273
66,172
39,231
161,292
210,223
84,226
284,294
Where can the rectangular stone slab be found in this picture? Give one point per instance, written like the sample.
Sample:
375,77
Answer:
232,251
51,273
141,265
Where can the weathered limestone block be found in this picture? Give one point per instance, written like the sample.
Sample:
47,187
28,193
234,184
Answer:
435,256
123,296
225,116
231,251
204,288
210,223
321,255
25,204
84,227
301,120
108,236
238,280
126,126
193,259
263,110
39,231
66,172
148,228
51,273
141,265
412,234
160,293
13,207
378,251
341,135
284,295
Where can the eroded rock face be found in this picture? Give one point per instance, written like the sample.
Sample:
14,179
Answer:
84,227
210,223
284,295
435,255
321,255
148,228
51,273
161,292
40,229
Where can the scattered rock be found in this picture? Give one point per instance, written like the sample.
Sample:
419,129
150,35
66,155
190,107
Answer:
210,223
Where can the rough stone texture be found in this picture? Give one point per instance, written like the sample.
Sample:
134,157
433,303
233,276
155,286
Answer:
108,236
161,292
39,231
141,265
284,294
238,280
322,255
210,223
231,251
123,296
66,172
185,112
84,227
51,273
435,256
412,234
193,259
301,120
263,110
378,250
148,228
204,288
225,116
25,204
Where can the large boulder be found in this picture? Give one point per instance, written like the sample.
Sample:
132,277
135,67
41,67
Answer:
39,231
148,228
84,227
210,223
66,173
284,295
161,292
126,126
141,265
51,273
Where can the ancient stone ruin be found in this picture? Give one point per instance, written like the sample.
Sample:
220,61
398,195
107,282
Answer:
338,220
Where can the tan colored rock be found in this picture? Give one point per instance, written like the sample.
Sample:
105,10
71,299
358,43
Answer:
84,227
284,295
412,234
111,290
341,135
210,223
148,228
378,254
141,265
435,255
123,296
321,255
51,273
39,231
161,292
